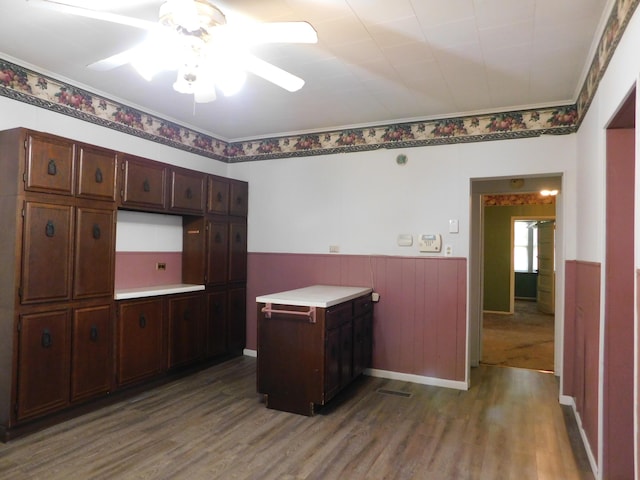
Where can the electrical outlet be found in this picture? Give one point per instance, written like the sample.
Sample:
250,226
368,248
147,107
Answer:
448,250
334,249
161,266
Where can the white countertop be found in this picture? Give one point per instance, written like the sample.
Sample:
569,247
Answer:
127,293
315,296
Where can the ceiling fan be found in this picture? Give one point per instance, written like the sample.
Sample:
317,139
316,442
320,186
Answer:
194,38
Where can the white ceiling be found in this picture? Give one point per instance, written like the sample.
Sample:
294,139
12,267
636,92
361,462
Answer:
377,61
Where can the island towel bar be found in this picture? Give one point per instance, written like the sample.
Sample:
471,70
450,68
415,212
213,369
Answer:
311,313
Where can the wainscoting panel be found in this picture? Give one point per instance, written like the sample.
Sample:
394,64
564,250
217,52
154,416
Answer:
420,321
582,343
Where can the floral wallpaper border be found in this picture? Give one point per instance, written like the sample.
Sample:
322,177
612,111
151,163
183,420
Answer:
25,85
515,199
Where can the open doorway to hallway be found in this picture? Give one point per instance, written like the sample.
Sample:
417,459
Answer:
523,335
494,203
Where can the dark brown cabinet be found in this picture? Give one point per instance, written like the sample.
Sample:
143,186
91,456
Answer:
46,253
187,192
49,164
65,340
185,329
96,173
91,351
217,252
140,340
94,253
237,251
216,323
238,198
218,196
143,184
306,355
236,324
43,359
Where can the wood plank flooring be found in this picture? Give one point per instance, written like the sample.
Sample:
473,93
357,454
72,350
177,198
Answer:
212,425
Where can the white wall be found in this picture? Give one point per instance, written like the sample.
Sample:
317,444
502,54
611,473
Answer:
362,201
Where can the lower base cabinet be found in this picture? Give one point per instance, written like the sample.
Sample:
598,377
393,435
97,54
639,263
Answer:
43,363
185,330
91,352
140,340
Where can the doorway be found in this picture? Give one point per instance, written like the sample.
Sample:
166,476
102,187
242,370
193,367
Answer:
518,321
488,191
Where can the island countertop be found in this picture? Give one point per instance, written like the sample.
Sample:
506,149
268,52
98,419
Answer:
322,296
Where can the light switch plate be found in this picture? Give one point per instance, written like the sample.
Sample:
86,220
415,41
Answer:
453,226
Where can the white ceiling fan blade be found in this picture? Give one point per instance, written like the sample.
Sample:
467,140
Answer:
272,73
95,14
114,61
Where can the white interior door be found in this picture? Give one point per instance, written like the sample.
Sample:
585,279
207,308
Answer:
546,266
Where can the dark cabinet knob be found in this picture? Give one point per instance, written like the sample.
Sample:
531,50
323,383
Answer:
47,339
96,232
219,197
146,186
99,177
142,321
50,229
238,238
93,333
52,169
189,193
239,200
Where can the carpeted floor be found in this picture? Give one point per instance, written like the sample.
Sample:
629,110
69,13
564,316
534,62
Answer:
524,339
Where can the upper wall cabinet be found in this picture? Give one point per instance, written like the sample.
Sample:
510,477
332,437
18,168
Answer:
187,191
96,173
50,164
143,184
238,198
218,198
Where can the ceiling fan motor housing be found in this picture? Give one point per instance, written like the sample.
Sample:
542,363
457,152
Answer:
191,15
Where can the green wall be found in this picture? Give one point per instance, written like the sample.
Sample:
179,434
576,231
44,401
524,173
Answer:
497,250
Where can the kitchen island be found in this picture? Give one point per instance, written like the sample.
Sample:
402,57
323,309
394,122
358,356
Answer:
312,343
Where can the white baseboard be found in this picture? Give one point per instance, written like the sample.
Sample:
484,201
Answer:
250,353
408,377
571,402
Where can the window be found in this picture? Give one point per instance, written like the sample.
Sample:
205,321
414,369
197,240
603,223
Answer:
525,250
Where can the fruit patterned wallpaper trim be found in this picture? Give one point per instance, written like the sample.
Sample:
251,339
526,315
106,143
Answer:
28,86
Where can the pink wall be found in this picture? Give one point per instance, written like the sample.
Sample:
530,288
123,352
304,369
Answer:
138,269
618,459
420,321
582,343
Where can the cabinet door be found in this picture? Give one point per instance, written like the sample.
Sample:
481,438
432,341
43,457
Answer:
238,198
237,252
46,257
140,334
217,252
96,173
91,365
237,324
43,363
346,353
50,165
216,324
332,363
218,196
144,184
94,253
185,332
187,192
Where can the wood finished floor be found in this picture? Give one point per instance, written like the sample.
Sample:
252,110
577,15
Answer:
212,425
